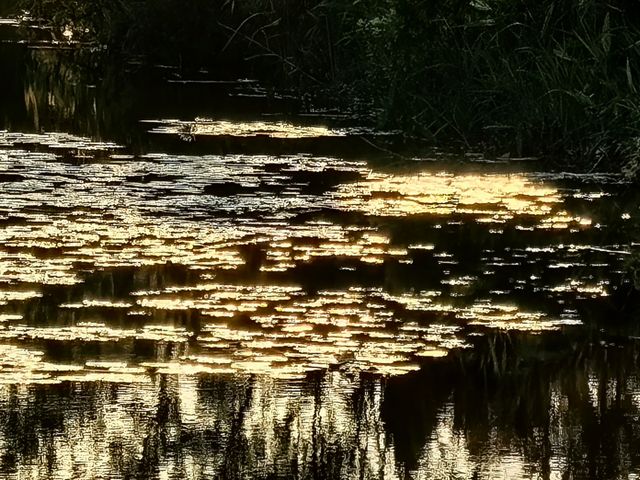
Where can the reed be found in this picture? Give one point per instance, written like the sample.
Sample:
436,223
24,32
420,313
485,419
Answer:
555,78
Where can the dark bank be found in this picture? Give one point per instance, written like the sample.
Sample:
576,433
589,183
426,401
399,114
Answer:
553,79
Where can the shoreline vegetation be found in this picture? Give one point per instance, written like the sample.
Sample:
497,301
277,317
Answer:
556,79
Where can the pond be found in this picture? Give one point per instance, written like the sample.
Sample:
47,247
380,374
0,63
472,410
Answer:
196,281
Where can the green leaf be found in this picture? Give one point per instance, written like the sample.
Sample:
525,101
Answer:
630,78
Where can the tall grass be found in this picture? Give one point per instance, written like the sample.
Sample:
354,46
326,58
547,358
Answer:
545,77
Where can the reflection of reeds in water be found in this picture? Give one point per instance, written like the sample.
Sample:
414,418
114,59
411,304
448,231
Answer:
54,88
554,78
192,428
164,307
521,406
64,91
545,408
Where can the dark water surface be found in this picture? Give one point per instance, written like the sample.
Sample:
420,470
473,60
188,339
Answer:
183,294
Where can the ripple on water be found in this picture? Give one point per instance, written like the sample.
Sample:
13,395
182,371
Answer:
300,268
265,128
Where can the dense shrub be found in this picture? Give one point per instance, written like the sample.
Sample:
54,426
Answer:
553,76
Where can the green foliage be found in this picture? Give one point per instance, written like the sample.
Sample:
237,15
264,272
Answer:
555,77
97,20
527,77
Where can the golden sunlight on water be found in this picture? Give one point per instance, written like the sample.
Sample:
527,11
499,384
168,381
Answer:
263,440
274,129
183,426
234,316
247,298
340,313
490,198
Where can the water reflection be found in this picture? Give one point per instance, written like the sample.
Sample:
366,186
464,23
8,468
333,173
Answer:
573,414
242,315
298,272
273,129
550,411
229,311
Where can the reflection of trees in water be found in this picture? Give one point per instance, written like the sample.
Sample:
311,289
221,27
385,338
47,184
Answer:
190,428
75,90
517,403
519,407
514,407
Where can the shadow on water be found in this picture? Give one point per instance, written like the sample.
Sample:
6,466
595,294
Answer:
56,85
192,297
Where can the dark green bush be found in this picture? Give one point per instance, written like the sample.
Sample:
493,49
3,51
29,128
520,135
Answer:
529,77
